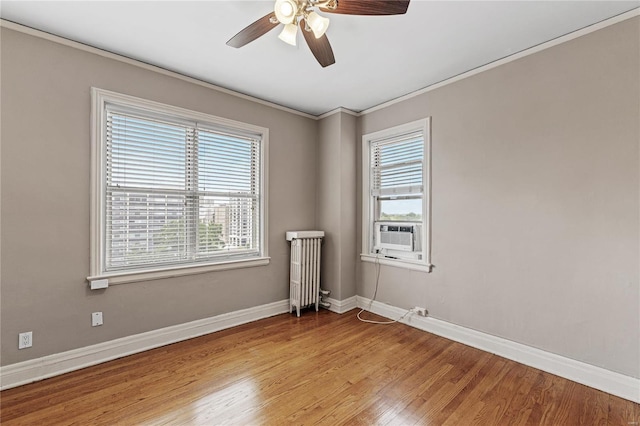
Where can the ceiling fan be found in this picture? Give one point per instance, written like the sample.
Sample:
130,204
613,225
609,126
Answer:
302,13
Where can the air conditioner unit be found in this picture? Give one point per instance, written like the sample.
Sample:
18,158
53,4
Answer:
397,236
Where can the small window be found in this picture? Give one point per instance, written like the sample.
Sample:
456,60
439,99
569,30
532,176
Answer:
173,190
396,195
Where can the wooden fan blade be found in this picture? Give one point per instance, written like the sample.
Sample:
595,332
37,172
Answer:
370,7
253,31
320,47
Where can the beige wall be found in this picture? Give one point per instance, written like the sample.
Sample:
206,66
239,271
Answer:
535,201
348,222
45,202
336,203
328,202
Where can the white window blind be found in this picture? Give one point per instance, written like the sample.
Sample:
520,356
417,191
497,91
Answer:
178,192
396,165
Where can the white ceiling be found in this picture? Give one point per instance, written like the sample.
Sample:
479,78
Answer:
377,58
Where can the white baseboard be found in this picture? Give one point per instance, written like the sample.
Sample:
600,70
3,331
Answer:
596,377
342,306
52,365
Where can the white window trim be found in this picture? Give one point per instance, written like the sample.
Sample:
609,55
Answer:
423,125
99,99
398,263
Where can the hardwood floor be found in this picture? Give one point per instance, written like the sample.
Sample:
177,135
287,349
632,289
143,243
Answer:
321,368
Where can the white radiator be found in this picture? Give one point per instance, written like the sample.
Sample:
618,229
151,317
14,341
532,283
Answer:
304,279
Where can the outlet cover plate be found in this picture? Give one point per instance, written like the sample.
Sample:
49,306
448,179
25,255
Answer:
96,319
25,340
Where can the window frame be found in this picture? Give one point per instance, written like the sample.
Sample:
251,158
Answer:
99,100
369,200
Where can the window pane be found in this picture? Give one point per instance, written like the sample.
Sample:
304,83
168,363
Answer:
227,225
145,228
401,210
177,193
226,163
397,165
143,153
396,187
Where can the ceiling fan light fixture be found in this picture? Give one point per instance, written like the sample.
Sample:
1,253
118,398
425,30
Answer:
318,24
288,34
286,11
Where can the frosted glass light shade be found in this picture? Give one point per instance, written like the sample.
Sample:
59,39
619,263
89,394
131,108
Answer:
288,34
285,11
318,24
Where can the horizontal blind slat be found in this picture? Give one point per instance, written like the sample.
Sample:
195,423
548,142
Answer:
396,165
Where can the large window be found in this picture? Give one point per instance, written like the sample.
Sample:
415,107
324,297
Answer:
175,191
396,196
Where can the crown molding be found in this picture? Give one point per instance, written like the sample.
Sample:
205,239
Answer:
530,51
105,53
336,111
535,49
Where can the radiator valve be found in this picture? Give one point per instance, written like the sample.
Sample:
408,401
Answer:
323,295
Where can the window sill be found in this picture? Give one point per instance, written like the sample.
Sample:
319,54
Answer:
397,263
122,277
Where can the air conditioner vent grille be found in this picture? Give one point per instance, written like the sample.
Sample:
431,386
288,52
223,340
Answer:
396,238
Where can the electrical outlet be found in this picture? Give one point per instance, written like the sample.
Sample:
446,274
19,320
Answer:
25,340
420,311
96,319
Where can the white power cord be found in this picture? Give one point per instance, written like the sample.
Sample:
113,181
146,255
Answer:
374,298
